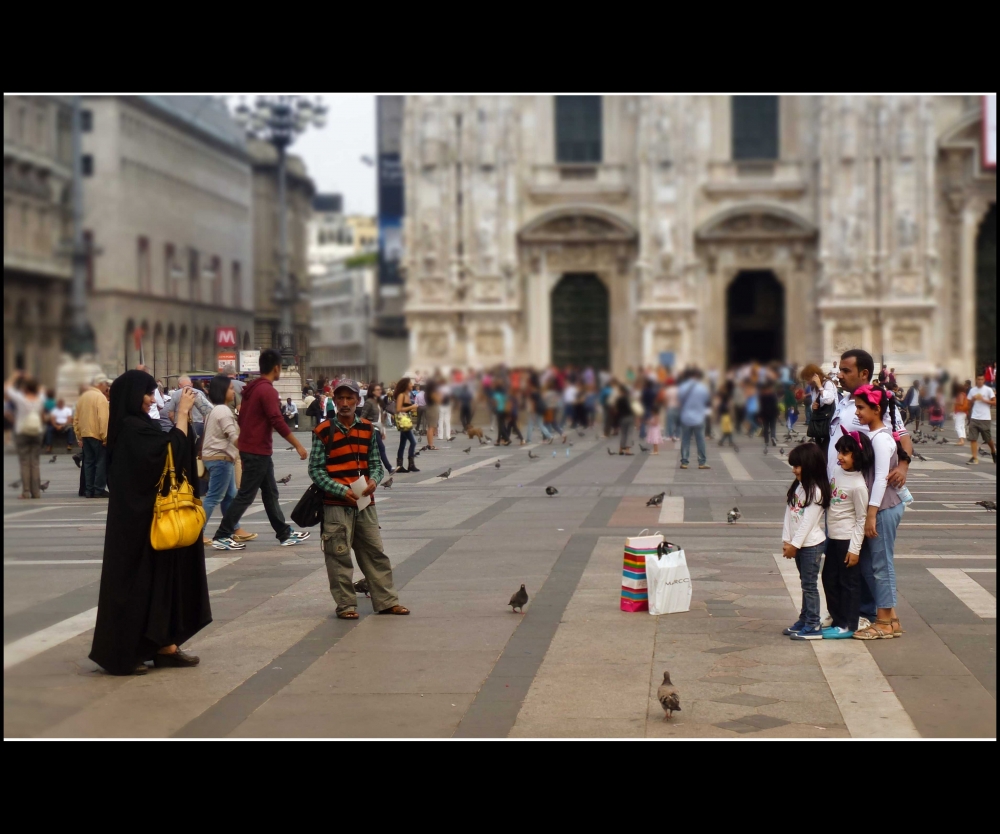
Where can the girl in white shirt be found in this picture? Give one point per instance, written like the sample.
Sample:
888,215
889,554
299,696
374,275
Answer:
885,510
803,536
845,526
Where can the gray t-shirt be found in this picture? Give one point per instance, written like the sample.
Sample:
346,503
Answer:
202,407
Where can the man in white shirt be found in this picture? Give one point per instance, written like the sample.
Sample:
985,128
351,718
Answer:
982,398
60,422
856,369
291,413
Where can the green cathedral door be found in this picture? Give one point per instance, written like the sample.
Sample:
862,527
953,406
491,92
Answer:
580,322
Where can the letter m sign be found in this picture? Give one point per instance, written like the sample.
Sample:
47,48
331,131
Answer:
225,337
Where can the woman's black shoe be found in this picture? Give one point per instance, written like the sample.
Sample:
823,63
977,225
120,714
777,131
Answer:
177,658
413,466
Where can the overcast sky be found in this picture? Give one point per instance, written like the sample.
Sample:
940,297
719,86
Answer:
333,154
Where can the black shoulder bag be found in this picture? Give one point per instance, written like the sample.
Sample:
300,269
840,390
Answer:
308,511
819,422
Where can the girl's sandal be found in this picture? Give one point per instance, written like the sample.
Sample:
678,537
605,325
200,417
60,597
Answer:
873,632
897,629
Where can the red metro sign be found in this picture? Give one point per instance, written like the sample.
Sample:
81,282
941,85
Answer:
225,337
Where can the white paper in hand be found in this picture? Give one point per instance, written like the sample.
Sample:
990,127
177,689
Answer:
358,487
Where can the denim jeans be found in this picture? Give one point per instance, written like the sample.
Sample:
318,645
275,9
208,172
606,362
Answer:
381,450
533,420
258,474
51,433
807,560
876,562
221,487
699,437
94,466
404,438
673,422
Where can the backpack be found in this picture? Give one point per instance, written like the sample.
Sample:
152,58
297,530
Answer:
31,426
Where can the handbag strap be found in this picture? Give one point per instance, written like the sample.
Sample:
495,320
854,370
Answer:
168,467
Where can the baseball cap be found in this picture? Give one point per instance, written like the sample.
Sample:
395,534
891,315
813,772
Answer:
350,384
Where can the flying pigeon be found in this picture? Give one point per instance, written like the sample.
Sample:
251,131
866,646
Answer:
44,485
988,505
286,479
497,464
446,473
467,450
361,586
643,448
551,491
532,455
734,515
668,697
610,452
518,599
387,484
656,500
53,459
919,456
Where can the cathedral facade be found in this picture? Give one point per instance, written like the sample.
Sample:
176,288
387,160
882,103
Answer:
625,231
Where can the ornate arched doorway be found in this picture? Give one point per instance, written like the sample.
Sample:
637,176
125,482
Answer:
755,317
581,324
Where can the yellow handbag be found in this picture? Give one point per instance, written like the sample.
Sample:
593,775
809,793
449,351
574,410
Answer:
178,517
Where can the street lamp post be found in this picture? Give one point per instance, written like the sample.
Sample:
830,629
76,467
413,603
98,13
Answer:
278,120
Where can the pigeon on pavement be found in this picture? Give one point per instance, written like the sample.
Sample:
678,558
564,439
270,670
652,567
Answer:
532,455
497,464
286,479
669,697
765,448
44,485
643,448
290,449
518,599
553,453
919,456
78,459
53,459
387,484
467,450
449,439
988,505
656,500
781,451
551,491
734,515
361,586
14,485
446,473
610,452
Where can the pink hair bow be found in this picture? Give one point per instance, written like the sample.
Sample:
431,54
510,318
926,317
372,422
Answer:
855,435
870,393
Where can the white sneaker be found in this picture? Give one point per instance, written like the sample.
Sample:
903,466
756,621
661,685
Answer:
827,622
863,623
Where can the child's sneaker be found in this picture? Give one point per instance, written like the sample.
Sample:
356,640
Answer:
837,633
827,622
808,634
795,628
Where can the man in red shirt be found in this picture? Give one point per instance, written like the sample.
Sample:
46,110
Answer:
260,415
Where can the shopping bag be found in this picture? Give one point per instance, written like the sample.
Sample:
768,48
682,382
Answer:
668,581
637,548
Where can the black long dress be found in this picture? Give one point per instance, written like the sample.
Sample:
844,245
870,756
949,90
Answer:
149,599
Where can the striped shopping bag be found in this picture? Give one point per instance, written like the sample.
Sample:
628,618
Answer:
637,548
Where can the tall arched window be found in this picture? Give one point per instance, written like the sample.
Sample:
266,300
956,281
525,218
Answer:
755,127
578,129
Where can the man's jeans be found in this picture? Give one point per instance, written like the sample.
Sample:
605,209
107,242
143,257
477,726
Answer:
221,487
95,476
533,420
258,473
699,437
878,590
807,560
51,433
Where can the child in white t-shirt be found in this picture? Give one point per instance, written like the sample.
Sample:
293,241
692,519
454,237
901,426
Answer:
803,536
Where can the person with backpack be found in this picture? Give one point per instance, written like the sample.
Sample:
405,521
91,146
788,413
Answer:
29,429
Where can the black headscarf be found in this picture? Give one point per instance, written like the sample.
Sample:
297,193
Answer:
127,392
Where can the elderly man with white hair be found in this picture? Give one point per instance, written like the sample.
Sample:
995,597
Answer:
90,424
201,409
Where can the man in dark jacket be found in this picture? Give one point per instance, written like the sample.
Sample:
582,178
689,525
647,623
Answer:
260,415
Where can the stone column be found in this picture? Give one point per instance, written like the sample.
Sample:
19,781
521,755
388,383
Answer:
967,278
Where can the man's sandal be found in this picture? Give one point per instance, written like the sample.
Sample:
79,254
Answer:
873,632
396,609
347,615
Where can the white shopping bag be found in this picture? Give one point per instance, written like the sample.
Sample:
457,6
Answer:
668,582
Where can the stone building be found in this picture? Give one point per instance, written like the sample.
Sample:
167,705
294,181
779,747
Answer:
342,307
611,230
37,177
167,205
299,196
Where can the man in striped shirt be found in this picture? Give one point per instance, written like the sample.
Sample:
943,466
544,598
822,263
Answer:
344,449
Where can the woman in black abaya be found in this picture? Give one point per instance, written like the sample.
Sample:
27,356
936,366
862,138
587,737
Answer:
151,601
